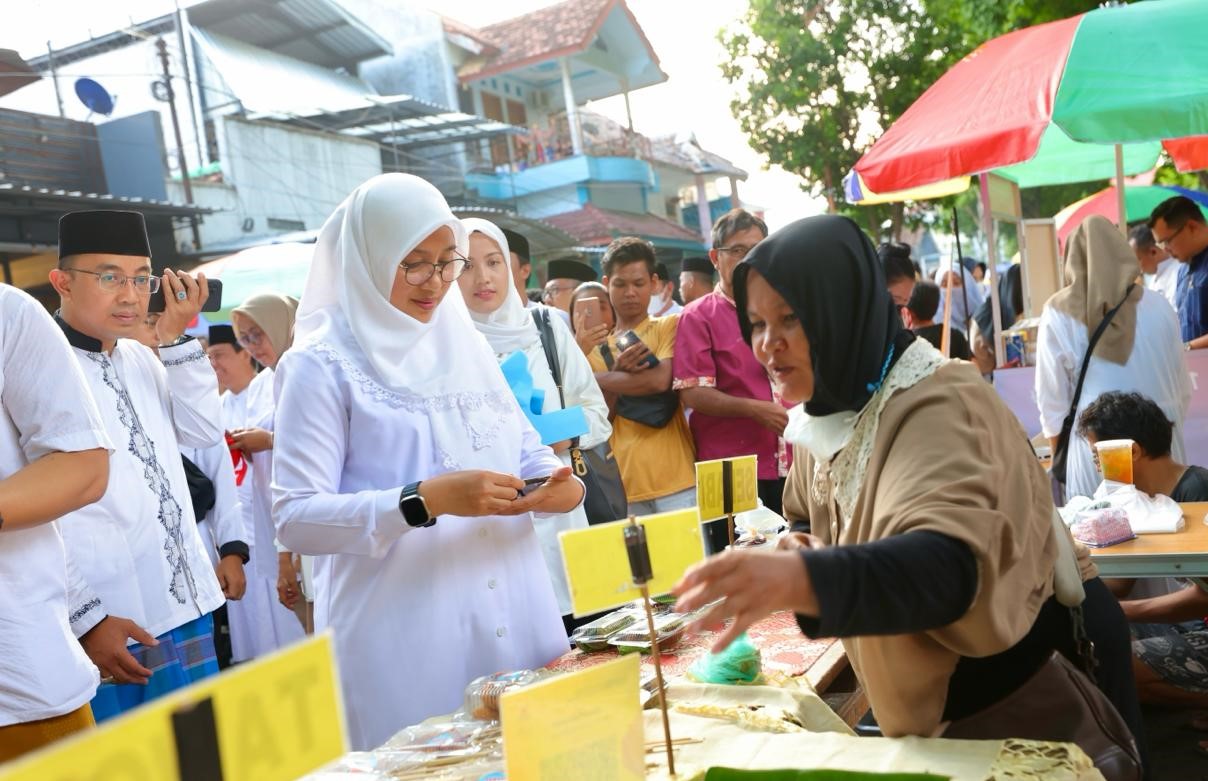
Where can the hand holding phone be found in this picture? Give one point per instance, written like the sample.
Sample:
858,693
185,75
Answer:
635,355
213,302
591,315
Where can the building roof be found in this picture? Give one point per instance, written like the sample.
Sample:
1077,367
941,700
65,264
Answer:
469,38
316,31
565,29
12,196
687,154
592,225
545,239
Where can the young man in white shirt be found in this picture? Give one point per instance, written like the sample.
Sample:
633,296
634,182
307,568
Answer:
51,435
1161,270
138,548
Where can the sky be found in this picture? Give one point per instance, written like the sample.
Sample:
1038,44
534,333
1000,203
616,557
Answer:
694,99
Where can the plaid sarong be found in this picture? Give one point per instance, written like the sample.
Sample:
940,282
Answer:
184,656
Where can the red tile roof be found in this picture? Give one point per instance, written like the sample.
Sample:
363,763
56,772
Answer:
554,31
454,27
592,225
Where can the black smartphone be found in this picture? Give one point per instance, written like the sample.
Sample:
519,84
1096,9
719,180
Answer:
213,303
629,339
533,483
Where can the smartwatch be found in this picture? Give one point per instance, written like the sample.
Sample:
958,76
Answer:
414,508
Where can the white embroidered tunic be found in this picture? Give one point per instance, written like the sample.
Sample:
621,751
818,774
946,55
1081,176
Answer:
139,548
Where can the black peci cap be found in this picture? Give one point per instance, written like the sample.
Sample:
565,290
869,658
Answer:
571,269
104,232
222,334
518,243
700,265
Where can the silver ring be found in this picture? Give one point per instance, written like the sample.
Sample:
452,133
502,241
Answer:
181,295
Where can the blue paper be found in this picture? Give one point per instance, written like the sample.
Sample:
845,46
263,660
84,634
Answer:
555,426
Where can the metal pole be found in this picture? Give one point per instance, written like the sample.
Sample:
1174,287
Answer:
162,48
991,266
1121,209
54,77
184,61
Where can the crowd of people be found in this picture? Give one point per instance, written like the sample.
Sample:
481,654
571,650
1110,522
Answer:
378,458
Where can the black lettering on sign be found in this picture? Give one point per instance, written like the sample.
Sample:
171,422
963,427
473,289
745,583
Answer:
258,735
197,754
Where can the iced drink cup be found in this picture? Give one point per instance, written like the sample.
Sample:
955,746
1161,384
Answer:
1115,459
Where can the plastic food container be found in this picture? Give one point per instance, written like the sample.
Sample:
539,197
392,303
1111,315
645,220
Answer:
483,694
1115,459
1101,528
593,637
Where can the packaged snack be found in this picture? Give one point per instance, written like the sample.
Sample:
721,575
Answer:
1101,528
482,695
594,637
669,629
739,663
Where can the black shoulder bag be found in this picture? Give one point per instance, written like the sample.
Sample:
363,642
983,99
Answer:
655,410
597,467
1061,453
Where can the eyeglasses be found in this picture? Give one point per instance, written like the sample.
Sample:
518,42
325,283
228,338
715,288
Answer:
1164,243
250,337
738,250
419,273
111,281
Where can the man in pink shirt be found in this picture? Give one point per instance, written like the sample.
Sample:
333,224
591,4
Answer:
719,380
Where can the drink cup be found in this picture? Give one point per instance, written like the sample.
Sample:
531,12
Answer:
1115,460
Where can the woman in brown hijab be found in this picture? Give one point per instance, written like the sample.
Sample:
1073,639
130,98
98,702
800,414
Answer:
264,324
933,547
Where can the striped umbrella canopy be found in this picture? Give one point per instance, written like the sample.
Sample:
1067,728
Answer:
271,268
1050,104
1139,202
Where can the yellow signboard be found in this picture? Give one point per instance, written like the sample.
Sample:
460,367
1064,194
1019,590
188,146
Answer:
586,724
597,565
276,719
734,478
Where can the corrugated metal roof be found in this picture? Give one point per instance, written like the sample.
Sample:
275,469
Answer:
10,191
317,31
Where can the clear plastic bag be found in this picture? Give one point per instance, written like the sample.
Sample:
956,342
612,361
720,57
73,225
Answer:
483,694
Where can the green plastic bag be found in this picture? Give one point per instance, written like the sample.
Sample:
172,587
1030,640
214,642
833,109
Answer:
740,663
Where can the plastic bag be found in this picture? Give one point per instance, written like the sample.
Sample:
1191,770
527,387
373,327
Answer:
483,694
1146,514
739,663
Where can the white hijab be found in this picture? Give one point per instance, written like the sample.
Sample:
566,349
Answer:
964,304
443,366
510,328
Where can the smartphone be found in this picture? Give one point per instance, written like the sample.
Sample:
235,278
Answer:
592,316
533,483
629,339
213,303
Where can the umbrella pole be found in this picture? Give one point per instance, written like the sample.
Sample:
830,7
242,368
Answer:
1121,209
983,181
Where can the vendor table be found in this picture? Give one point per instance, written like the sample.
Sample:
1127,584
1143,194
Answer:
1182,554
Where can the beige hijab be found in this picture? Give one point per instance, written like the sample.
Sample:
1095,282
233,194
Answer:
1099,267
275,316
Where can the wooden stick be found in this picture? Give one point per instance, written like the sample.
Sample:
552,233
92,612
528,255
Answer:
658,675
730,528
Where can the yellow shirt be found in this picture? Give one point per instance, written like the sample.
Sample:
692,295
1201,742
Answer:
654,462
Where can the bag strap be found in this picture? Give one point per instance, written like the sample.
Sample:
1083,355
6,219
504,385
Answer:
1086,361
546,330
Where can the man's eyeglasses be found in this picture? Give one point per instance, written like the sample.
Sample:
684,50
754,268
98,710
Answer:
419,273
112,281
739,251
1163,243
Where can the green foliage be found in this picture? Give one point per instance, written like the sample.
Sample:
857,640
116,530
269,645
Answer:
979,21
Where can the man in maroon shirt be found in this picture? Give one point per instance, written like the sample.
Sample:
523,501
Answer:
733,412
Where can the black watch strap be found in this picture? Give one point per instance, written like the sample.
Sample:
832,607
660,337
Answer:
414,508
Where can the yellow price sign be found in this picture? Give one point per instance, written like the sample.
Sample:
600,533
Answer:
597,720
727,486
597,565
274,719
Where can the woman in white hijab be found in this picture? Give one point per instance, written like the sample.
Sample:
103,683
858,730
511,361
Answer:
501,317
400,459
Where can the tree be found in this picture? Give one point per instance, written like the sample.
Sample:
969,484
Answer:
817,82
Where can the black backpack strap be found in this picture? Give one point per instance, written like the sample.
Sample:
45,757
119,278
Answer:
1090,349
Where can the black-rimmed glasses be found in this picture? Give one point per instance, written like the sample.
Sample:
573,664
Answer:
418,273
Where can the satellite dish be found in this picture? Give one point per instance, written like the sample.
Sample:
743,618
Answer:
95,97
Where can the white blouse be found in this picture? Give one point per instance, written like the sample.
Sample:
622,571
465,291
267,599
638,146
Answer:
416,613
46,408
1156,368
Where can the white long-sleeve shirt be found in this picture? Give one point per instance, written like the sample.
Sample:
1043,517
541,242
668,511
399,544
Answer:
1156,368
46,408
416,613
138,548
580,388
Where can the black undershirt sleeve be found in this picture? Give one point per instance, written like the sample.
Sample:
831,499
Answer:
902,584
